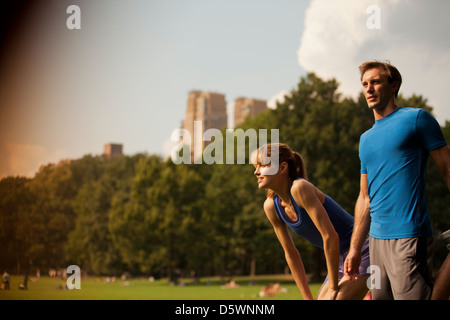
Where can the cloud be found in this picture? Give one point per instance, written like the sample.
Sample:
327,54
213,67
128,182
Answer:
413,35
279,97
168,146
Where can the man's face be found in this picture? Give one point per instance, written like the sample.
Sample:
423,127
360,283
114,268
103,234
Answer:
377,90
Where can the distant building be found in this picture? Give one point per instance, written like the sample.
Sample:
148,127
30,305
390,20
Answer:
247,107
208,107
113,150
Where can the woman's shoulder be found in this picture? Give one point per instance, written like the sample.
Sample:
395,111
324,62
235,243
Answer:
271,213
300,185
303,189
268,204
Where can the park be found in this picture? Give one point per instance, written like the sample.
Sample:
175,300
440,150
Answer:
153,218
140,288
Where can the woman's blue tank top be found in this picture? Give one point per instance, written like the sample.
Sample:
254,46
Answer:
341,220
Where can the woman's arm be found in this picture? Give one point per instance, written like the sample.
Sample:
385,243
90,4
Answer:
293,258
305,195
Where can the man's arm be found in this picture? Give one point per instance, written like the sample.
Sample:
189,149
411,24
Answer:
360,230
441,158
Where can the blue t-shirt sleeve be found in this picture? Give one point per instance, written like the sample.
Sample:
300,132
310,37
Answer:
363,167
429,131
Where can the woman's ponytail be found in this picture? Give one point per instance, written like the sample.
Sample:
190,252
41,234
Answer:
298,169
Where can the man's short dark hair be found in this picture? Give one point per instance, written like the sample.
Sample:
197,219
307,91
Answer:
392,72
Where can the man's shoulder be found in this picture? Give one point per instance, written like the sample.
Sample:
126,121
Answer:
403,115
409,115
409,110
366,133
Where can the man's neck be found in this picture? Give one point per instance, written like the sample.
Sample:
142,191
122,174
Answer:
381,113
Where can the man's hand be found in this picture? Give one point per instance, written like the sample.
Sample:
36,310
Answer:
351,265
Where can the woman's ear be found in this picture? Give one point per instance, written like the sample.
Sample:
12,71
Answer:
284,168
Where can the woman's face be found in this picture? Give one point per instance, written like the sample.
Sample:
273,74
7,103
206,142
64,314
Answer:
261,177
265,178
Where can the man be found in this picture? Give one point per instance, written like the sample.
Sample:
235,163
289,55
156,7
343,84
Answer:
391,202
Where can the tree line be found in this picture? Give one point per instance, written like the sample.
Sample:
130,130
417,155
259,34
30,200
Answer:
147,216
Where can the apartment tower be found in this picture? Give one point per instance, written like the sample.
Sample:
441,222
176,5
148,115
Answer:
208,107
247,107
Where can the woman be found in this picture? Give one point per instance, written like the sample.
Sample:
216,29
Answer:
292,201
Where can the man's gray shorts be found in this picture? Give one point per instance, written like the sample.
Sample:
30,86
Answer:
405,268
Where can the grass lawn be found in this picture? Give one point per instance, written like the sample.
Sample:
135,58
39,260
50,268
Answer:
142,289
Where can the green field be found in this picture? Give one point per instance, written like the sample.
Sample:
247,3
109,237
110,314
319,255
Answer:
92,288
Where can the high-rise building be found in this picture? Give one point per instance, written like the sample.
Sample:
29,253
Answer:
247,107
208,107
113,150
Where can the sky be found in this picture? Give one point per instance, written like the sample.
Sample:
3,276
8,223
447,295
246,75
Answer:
124,77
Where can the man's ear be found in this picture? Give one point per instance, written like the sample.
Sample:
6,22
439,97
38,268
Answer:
395,86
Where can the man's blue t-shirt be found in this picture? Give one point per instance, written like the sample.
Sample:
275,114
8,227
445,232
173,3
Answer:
394,155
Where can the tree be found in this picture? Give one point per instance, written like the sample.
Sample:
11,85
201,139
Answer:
156,229
50,216
15,198
90,244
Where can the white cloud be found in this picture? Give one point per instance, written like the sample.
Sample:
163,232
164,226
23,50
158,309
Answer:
168,146
413,36
279,97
